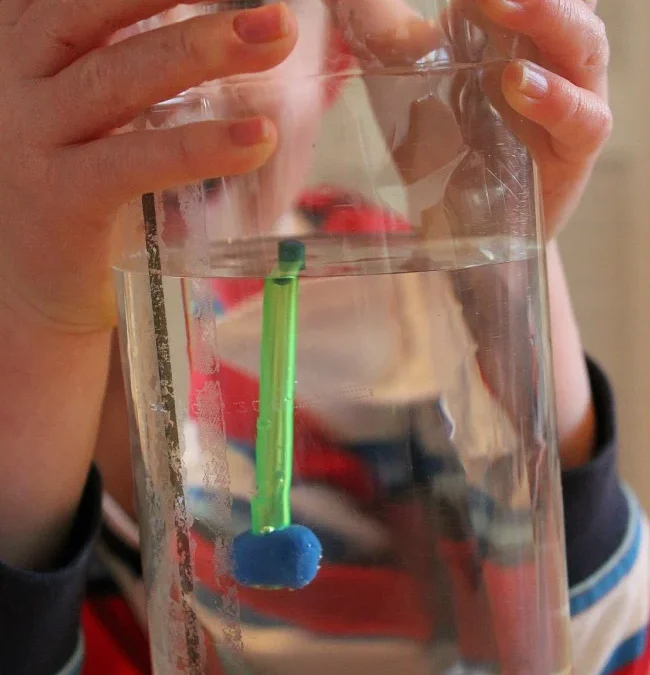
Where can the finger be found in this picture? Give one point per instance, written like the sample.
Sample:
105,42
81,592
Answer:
386,32
109,87
567,33
12,10
56,33
119,168
578,122
474,37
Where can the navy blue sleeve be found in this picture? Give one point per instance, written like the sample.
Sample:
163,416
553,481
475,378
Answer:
40,611
596,509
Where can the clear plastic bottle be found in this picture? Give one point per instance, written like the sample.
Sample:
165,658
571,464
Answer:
414,432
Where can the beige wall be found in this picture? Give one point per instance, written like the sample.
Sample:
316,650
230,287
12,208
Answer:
607,247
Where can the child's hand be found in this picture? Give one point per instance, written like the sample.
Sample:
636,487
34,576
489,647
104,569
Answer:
62,173
563,94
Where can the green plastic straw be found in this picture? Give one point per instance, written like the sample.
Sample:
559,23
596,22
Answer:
270,507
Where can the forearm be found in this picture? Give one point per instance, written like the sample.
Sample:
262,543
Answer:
575,411
51,392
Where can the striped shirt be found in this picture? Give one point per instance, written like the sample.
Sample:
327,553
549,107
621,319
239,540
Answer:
60,623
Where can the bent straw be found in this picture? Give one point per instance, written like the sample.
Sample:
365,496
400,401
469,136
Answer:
183,544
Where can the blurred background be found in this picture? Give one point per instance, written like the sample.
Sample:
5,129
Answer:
607,246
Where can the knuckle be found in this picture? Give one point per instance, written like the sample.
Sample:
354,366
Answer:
188,44
94,81
592,120
98,82
61,38
574,109
560,10
604,125
598,53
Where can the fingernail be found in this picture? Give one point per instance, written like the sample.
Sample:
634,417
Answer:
250,132
265,24
533,82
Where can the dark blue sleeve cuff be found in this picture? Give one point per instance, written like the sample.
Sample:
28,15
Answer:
596,509
40,611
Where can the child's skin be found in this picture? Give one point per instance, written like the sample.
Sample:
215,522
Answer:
62,176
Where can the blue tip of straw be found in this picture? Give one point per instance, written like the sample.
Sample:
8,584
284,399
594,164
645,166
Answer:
286,558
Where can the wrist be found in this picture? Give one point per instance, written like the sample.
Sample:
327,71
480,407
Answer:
51,392
576,418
